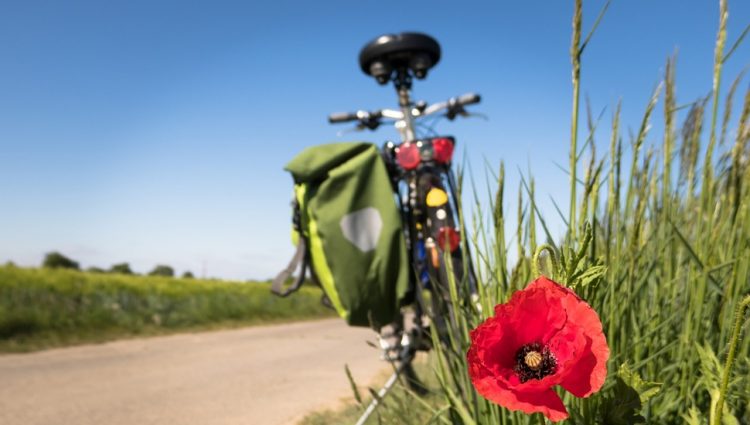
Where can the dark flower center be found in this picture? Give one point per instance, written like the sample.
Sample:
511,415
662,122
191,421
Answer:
534,361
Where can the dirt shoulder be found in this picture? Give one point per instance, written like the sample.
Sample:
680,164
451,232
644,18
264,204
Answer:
265,374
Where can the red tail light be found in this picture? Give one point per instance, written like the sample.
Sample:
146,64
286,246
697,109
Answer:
450,236
443,148
408,156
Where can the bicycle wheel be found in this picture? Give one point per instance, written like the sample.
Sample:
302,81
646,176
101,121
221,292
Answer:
445,259
430,227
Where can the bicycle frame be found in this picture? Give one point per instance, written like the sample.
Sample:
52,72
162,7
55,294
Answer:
410,188
405,125
416,170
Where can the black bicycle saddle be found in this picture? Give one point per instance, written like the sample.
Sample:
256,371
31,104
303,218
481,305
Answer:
405,51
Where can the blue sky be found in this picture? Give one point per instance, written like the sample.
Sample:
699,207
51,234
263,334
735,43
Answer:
156,131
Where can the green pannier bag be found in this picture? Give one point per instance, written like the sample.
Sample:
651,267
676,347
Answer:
348,232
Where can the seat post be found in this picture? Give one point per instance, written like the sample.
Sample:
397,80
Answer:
402,82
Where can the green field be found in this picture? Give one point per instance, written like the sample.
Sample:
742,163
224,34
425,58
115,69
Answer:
41,308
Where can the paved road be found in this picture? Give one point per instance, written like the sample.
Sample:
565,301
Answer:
261,375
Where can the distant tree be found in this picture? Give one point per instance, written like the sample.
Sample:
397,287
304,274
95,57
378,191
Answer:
10,264
162,270
55,260
93,269
188,275
121,268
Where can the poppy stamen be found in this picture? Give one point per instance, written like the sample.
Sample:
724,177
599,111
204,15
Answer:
534,361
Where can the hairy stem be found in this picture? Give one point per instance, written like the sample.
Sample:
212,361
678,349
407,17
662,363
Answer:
730,357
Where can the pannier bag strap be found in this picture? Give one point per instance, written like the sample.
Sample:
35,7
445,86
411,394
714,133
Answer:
299,256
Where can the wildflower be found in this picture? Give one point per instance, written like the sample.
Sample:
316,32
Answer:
543,337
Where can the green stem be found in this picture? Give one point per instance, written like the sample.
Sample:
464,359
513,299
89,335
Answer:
541,418
553,260
730,358
575,55
718,65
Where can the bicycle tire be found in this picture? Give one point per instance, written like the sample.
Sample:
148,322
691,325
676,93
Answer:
423,221
423,227
441,216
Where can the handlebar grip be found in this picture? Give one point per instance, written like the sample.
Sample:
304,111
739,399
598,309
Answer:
468,99
338,117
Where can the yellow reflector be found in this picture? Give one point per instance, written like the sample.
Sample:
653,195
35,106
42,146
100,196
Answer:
436,197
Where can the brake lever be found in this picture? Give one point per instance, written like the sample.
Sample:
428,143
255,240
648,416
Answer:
369,120
455,110
475,114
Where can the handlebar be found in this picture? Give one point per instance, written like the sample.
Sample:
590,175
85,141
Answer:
338,117
469,99
453,107
364,117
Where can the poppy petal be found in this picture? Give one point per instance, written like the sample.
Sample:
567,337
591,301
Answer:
492,346
549,285
587,375
535,314
568,345
546,402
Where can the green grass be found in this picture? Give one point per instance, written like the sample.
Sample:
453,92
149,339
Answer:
398,407
41,308
657,242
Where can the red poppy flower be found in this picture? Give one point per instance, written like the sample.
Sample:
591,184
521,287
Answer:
544,336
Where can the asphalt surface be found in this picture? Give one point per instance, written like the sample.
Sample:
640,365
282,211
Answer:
260,375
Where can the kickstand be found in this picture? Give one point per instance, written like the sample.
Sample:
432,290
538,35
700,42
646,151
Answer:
383,391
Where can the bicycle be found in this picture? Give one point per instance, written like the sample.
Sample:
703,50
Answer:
425,186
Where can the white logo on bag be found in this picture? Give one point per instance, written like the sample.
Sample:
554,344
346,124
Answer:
362,228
